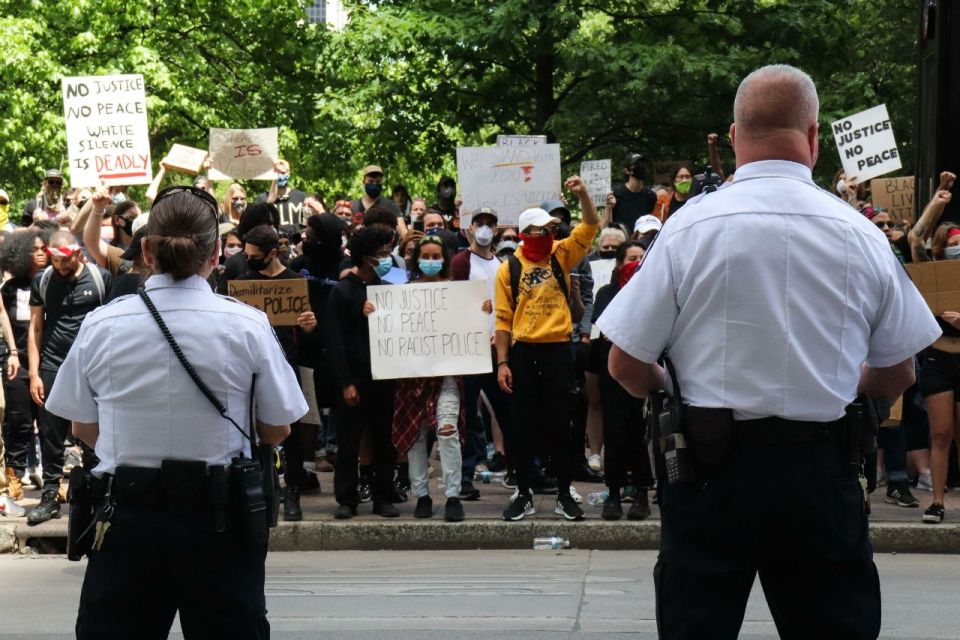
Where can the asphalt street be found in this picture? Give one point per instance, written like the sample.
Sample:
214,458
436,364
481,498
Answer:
357,595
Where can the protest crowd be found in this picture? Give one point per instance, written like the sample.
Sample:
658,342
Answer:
544,413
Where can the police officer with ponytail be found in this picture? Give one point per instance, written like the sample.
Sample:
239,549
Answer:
176,389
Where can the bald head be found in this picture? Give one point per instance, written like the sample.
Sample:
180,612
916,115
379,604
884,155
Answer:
774,98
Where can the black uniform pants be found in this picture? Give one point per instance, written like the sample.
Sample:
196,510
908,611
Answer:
375,415
624,437
154,563
18,422
792,513
542,385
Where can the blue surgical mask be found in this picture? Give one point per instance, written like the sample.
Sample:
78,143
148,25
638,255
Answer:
430,267
507,245
119,197
383,266
952,253
283,179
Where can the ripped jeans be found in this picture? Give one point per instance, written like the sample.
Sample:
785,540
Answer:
448,441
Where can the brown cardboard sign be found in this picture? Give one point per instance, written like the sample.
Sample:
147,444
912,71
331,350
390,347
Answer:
938,282
896,195
185,159
282,300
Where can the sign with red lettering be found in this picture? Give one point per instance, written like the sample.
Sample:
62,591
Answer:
107,135
243,154
866,144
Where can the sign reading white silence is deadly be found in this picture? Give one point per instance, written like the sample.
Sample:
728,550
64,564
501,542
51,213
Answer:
866,144
507,179
423,330
107,136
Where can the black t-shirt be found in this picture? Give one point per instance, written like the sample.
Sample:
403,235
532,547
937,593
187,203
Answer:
357,206
68,302
631,206
289,337
16,300
674,205
290,206
125,284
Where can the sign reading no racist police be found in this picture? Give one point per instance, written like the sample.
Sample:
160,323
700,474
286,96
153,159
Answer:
866,144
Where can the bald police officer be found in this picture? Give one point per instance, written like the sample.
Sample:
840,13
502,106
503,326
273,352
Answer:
777,303
178,537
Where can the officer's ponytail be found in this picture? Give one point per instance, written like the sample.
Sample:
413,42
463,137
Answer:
181,233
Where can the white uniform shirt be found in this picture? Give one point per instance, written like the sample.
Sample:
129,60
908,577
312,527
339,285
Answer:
483,269
768,295
122,373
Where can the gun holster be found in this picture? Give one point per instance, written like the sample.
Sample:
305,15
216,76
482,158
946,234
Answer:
80,523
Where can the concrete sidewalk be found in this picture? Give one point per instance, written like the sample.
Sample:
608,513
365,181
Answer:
893,529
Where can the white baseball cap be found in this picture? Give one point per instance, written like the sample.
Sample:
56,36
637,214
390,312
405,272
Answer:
646,224
536,217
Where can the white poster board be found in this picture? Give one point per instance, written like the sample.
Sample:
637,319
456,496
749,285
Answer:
107,136
507,179
422,330
596,175
601,271
866,144
243,154
521,141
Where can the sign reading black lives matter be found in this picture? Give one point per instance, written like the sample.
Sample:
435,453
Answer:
107,135
866,144
431,329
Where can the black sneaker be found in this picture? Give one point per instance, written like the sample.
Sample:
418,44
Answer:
344,512
509,481
291,504
898,493
568,508
401,489
386,510
468,491
365,490
544,484
453,510
310,483
424,508
48,508
497,463
611,508
521,506
933,514
584,473
640,509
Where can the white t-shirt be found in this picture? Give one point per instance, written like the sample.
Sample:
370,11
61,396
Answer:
483,269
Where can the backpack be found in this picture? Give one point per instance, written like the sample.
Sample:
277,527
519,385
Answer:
94,274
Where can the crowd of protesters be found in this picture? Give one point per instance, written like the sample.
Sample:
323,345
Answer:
549,413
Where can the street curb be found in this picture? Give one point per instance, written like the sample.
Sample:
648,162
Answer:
406,535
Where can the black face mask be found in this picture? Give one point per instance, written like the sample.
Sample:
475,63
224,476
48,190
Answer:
258,264
608,254
127,226
446,193
312,249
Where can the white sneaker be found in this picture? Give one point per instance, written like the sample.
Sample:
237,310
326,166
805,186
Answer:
576,496
925,482
595,463
8,507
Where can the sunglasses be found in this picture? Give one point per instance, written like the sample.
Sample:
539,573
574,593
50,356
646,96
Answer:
3,203
194,191
55,183
882,225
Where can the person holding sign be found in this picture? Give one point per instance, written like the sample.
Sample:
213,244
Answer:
430,403
364,404
287,200
534,356
261,245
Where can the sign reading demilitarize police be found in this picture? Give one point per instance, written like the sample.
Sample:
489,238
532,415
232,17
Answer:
866,144
107,136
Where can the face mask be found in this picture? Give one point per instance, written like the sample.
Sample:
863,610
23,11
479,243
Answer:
119,197
952,253
446,193
373,189
434,231
283,179
127,225
258,265
608,254
683,186
284,255
537,248
312,249
231,251
507,245
430,267
627,271
841,188
484,236
383,266
52,194
238,205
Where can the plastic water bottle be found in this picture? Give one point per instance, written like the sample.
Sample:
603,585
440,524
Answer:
552,543
598,498
484,476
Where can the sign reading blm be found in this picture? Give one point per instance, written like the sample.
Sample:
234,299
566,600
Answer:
866,144
429,329
107,136
243,154
507,179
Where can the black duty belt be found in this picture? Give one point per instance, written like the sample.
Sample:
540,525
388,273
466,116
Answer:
180,484
718,426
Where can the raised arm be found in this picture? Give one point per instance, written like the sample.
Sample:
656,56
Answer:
924,227
91,229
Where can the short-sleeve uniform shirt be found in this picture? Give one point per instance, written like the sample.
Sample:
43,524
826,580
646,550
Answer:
769,294
122,373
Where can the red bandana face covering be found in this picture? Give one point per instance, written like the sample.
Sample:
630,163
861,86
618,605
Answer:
627,271
536,248
63,252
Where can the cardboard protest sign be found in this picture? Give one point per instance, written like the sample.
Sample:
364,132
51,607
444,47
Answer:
282,300
107,135
866,144
243,154
896,195
507,179
422,330
938,283
521,141
185,159
596,175
601,271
